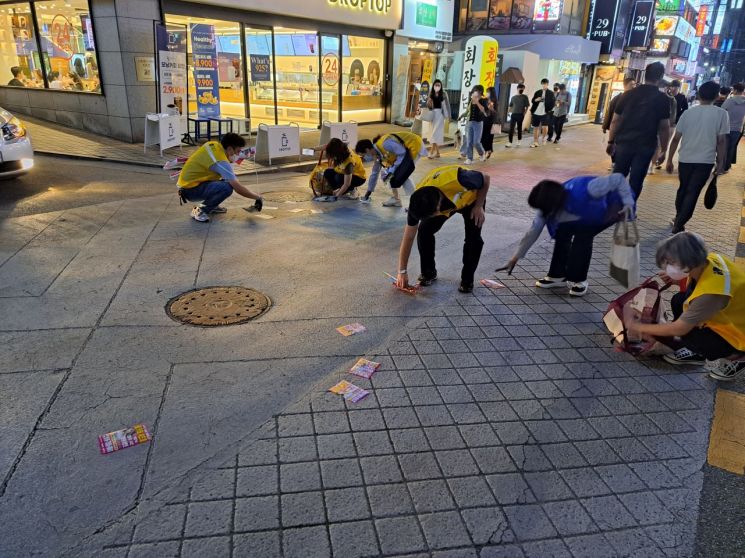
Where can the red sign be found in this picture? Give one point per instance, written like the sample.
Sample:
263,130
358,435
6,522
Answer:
701,20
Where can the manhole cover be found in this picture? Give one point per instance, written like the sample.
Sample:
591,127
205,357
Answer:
218,306
287,196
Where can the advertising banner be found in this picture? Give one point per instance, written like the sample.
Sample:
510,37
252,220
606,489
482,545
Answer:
546,15
602,28
479,68
428,20
701,20
260,67
206,79
170,43
641,24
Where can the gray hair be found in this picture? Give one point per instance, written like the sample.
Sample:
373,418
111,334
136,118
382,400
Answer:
686,249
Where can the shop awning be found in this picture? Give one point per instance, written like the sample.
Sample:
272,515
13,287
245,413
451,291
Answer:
553,47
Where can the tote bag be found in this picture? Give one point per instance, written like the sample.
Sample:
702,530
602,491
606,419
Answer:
624,256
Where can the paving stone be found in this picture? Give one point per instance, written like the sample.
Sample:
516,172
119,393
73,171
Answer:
590,546
354,539
217,483
297,449
507,551
476,435
299,477
434,415
155,550
512,432
446,437
426,395
555,548
457,463
529,409
261,452
619,478
330,423
655,475
419,466
456,553
164,523
399,535
409,440
455,394
257,514
412,378
258,480
545,431
548,485
430,495
392,397
306,542
479,383
499,411
510,488
331,446
630,449
529,522
608,512
305,508
609,427
487,525
569,517
390,499
400,417
380,469
585,482
444,530
346,504
339,473
471,492
634,542
208,518
646,508
373,443
295,425
529,458
493,459
445,377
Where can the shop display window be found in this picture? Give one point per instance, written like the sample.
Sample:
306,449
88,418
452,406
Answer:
362,79
260,77
68,45
19,57
297,69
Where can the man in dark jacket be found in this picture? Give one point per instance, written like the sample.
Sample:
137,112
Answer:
541,107
680,99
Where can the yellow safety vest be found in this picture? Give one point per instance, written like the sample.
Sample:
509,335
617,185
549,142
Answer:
412,142
356,160
723,277
445,179
197,167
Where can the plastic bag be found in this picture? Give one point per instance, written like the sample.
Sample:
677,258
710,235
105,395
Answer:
625,257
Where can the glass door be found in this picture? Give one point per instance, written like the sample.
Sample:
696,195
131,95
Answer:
330,78
296,59
260,76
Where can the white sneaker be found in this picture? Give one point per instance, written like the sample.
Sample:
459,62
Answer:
508,145
365,199
534,144
392,202
578,289
468,162
551,283
482,157
726,370
651,170
198,215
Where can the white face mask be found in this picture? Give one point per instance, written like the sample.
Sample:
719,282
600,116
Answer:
675,273
437,87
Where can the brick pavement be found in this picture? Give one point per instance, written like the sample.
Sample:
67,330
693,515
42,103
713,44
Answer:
505,427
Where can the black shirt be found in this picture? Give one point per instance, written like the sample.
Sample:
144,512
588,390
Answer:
476,115
642,108
682,105
469,179
436,101
15,82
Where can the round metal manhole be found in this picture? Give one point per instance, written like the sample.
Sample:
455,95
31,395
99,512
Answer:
287,196
218,306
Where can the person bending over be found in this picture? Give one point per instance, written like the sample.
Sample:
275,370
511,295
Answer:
346,172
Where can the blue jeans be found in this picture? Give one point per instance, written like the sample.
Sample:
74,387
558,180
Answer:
473,139
211,194
633,162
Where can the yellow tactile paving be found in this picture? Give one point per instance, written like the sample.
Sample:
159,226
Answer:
727,439
741,240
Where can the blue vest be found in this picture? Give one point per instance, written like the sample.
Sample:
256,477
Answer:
591,211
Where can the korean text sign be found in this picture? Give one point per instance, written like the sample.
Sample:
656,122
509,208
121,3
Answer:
479,68
206,80
171,45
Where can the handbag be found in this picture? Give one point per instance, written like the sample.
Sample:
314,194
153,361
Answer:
643,303
710,197
625,257
317,181
496,128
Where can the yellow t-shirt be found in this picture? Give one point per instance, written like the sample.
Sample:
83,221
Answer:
197,167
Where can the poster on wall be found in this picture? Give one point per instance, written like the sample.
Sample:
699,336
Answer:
206,79
641,24
428,20
170,42
260,67
522,14
546,15
479,68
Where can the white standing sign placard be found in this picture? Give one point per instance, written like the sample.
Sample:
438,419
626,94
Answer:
345,131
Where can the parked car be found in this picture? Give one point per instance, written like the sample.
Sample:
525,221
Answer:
16,153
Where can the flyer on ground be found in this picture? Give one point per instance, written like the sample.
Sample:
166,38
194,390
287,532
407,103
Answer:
364,368
124,438
350,391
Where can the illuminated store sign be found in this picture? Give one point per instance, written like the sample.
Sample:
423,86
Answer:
641,24
603,15
546,15
664,26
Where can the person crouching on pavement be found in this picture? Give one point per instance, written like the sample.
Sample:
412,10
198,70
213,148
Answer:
395,154
709,325
346,172
208,177
443,192
574,213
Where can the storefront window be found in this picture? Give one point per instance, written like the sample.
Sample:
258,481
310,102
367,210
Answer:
478,13
260,76
68,45
214,67
296,57
330,76
363,60
19,58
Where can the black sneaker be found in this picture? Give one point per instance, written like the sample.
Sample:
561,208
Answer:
551,283
578,289
556,141
726,370
426,281
684,356
466,288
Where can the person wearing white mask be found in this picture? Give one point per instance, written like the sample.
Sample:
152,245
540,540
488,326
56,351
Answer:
208,177
709,316
439,104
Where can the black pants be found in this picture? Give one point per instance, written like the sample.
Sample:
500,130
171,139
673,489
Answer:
487,138
550,121
732,140
403,171
559,125
336,180
516,122
472,245
692,177
633,162
573,251
701,340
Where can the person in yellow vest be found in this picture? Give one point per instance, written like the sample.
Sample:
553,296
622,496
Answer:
393,157
346,173
208,177
442,193
709,326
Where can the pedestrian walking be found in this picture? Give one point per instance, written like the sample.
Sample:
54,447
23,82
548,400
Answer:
659,154
439,104
551,116
641,122
442,193
476,113
680,99
724,93
702,134
518,105
487,135
735,107
628,84
394,157
561,110
574,214
709,316
208,177
540,109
